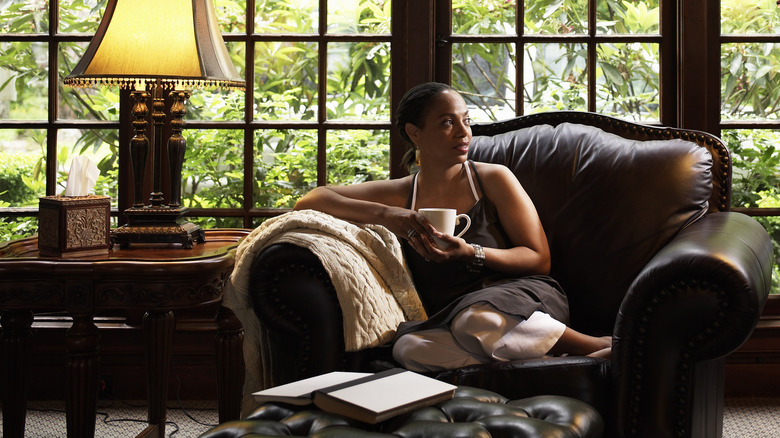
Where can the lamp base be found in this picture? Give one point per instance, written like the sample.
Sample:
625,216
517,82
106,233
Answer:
153,224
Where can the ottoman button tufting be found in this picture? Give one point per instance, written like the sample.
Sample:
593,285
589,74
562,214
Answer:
472,413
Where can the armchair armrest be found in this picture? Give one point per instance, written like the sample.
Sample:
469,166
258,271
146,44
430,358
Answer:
697,300
295,301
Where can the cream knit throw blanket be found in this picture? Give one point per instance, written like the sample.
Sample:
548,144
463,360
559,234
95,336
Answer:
366,267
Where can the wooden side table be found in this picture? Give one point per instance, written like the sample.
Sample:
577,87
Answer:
154,278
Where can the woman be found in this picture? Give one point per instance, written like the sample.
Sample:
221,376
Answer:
488,291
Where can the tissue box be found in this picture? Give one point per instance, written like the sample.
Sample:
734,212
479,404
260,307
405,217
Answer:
73,225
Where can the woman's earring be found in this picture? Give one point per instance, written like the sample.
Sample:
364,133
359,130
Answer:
417,157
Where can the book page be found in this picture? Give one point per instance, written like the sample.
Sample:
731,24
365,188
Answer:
304,388
392,391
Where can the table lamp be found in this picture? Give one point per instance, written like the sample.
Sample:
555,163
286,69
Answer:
157,48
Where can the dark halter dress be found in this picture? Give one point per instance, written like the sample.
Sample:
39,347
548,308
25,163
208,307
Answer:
447,288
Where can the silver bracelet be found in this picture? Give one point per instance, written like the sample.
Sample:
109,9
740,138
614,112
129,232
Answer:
478,262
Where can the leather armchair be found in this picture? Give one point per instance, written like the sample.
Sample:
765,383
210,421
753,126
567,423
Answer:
644,245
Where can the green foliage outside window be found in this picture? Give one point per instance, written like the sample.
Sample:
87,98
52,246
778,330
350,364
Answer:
285,89
555,74
750,90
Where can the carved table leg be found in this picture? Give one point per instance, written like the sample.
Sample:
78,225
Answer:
14,366
230,364
81,367
158,330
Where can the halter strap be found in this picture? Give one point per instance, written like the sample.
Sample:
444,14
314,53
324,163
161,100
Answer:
471,181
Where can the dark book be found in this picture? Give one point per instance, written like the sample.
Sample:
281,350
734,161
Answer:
382,395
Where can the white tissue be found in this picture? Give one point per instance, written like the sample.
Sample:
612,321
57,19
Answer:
82,177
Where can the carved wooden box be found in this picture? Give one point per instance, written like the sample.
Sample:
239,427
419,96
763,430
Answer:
73,225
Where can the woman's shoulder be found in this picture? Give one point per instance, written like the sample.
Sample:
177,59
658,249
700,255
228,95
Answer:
493,171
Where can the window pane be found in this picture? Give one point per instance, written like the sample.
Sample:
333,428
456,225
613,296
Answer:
756,171
80,16
555,77
359,81
12,228
485,76
285,81
755,179
357,156
24,16
24,81
359,16
213,171
628,17
231,15
220,104
100,103
749,17
628,81
750,88
208,222
101,146
285,166
22,167
559,17
286,16
215,105
480,17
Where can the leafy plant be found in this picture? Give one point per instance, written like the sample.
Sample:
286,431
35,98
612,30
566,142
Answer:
756,180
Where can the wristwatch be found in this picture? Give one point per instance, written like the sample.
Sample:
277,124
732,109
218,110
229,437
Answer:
478,262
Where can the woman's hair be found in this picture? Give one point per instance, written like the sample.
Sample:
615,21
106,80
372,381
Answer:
412,109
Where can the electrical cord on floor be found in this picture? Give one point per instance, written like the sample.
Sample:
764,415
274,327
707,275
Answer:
105,415
181,404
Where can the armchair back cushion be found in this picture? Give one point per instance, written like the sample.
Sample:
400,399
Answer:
607,204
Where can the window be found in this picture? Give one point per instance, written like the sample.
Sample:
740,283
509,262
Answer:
318,109
600,56
42,124
750,96
323,76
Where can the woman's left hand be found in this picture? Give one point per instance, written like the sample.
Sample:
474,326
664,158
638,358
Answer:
439,247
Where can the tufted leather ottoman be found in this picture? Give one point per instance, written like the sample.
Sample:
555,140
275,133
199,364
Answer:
471,413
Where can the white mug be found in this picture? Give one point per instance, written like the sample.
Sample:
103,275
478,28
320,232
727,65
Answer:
444,220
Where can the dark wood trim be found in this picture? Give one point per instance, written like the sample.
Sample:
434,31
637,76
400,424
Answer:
754,369
122,368
699,65
412,63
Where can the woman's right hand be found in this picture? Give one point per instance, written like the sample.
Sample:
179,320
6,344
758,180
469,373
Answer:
407,224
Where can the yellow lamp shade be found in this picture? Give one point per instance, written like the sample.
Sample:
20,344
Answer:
173,42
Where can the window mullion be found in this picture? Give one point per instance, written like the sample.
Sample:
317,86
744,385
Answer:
51,131
322,96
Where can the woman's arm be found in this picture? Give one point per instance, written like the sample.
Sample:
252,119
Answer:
373,202
518,216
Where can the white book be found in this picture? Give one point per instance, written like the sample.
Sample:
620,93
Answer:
383,395
300,392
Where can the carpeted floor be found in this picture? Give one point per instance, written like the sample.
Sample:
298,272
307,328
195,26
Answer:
751,418
115,419
744,418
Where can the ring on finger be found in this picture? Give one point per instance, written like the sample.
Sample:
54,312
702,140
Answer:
411,233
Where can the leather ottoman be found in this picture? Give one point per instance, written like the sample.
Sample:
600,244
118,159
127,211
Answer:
471,413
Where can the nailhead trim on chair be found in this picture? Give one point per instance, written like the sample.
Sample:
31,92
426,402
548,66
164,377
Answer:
684,367
310,272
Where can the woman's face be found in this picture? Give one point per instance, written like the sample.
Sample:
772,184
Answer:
446,131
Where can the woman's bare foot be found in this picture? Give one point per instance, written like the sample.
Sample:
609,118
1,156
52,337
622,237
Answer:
579,344
604,353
